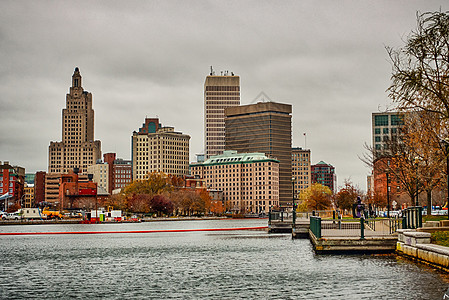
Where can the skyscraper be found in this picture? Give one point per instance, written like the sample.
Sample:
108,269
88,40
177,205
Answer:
77,148
219,92
264,127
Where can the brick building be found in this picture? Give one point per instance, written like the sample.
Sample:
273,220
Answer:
324,174
12,182
249,181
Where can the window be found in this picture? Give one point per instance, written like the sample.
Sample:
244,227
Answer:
377,139
385,131
376,130
381,120
396,120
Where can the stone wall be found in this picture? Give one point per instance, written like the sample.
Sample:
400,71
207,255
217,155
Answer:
416,245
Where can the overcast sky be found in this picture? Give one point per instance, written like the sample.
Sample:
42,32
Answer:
150,58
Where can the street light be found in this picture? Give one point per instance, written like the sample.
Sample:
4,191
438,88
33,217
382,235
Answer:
446,144
293,202
417,182
387,173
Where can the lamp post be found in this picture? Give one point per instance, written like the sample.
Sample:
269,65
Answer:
417,182
387,173
293,201
446,144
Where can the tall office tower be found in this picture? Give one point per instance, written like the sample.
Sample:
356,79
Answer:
77,148
219,92
301,169
159,149
264,127
324,174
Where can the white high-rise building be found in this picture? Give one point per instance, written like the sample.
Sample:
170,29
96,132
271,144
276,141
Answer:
220,91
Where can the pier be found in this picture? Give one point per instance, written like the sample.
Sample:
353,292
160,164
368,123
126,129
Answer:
331,234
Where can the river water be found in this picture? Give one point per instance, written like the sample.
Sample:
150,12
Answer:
197,265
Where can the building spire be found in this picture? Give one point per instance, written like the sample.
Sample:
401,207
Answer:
76,78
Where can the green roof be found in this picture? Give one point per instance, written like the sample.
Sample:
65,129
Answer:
232,157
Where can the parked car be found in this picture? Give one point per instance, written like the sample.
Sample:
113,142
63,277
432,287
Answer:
13,216
3,215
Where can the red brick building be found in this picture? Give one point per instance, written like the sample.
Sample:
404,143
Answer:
39,187
120,171
76,194
12,181
324,174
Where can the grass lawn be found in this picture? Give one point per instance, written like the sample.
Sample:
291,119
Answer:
433,218
440,238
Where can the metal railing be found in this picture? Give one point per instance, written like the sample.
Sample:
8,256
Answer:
354,228
315,226
412,217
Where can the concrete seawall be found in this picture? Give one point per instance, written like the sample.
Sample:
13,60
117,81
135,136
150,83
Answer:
416,246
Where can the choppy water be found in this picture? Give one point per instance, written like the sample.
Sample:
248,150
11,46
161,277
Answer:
197,265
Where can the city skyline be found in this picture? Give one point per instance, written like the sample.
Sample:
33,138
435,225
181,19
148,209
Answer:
150,59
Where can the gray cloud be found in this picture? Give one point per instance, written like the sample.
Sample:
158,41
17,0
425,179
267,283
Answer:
148,58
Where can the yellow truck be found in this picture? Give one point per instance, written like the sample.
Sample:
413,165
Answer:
52,214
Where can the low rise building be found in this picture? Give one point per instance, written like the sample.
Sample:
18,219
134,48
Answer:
249,182
12,182
28,196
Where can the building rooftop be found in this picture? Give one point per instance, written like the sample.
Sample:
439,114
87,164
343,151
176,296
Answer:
232,157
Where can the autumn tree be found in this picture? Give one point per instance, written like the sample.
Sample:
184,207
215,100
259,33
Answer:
161,205
347,195
154,183
420,84
317,197
139,203
117,201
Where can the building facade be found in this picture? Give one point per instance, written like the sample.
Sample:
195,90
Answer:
324,174
12,182
249,181
384,127
220,92
159,149
100,175
28,196
265,127
301,169
78,149
39,187
120,172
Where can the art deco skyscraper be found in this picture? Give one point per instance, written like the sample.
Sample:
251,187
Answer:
77,148
219,92
264,127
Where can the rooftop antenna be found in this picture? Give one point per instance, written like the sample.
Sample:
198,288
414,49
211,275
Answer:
212,72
